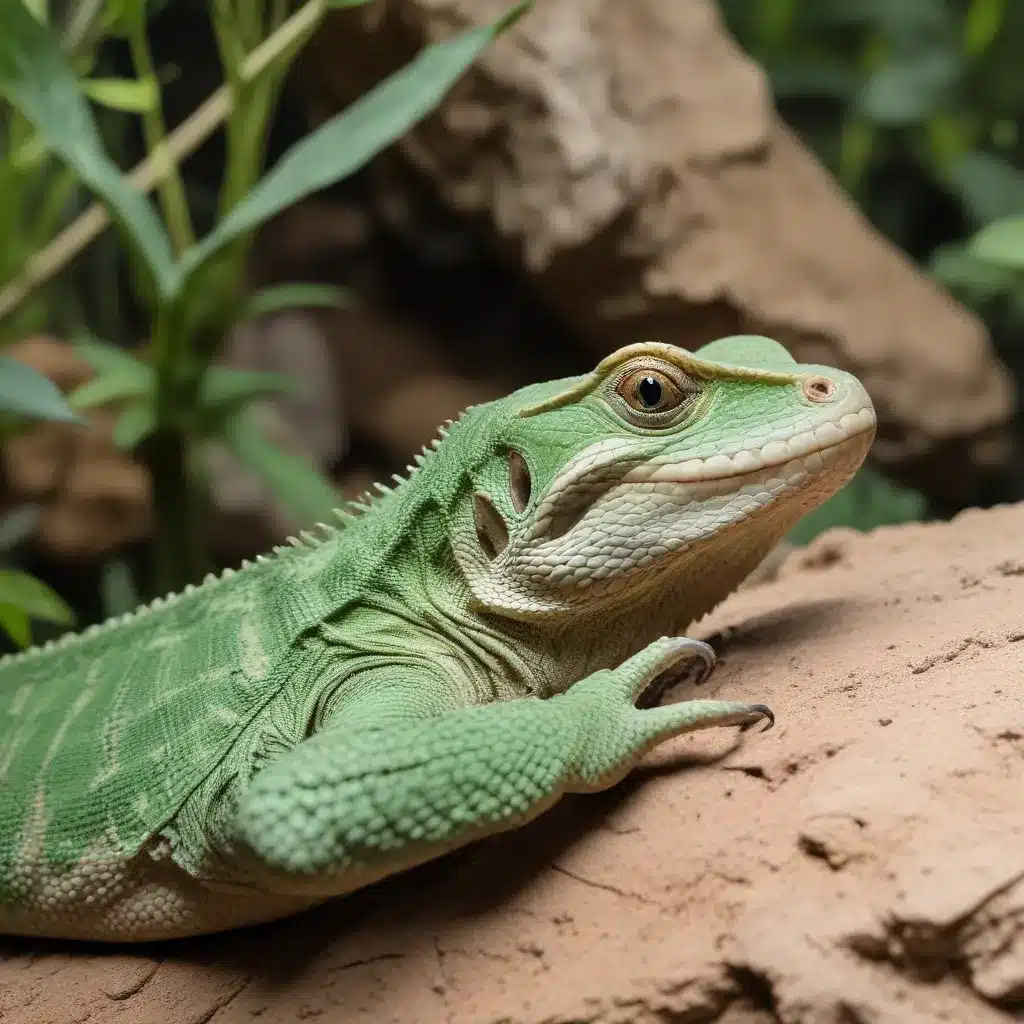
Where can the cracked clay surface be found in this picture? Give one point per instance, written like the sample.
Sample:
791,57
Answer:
862,862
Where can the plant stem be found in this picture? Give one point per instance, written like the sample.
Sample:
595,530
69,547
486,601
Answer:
180,512
185,139
172,188
81,24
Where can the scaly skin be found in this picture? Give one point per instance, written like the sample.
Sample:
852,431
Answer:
443,666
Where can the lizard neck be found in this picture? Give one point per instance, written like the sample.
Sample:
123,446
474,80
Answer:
566,647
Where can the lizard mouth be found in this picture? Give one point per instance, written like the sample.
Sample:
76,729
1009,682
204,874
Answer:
775,467
827,438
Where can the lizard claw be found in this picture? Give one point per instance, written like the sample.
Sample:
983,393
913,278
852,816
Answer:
702,653
705,653
759,713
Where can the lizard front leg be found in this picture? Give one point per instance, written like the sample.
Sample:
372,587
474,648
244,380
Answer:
354,803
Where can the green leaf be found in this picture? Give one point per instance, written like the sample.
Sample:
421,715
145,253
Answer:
111,387
15,623
300,488
1000,243
288,296
129,95
348,141
337,5
988,186
106,358
26,392
40,9
37,81
982,24
955,267
33,597
30,156
119,374
907,91
134,425
120,15
223,385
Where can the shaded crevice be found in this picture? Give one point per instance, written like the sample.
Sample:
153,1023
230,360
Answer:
755,988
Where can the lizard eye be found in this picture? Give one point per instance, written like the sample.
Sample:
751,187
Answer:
651,395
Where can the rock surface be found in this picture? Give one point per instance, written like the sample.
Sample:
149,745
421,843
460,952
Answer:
627,157
862,862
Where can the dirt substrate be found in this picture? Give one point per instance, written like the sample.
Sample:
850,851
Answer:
864,861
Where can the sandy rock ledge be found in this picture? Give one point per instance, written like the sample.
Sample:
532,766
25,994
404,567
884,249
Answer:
863,862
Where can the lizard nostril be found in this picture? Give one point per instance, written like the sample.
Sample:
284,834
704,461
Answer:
819,389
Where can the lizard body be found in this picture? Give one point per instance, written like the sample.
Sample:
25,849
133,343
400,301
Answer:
443,666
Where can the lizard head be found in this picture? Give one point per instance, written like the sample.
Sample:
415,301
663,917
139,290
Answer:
663,475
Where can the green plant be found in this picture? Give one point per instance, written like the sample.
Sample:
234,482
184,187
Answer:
175,400
909,92
988,268
26,397
38,193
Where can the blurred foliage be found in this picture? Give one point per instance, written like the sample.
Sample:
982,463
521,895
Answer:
38,193
173,400
26,397
916,107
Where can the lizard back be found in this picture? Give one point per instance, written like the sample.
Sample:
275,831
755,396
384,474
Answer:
104,735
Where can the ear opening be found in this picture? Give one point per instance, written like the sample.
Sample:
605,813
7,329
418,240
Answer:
519,482
491,531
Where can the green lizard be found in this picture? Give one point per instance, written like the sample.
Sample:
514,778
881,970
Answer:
442,665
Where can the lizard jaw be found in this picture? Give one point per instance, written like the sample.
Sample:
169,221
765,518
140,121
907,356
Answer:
747,462
673,517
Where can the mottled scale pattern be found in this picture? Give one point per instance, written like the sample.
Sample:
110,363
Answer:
103,737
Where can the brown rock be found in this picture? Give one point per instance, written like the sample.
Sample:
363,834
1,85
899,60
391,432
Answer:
627,154
832,870
399,383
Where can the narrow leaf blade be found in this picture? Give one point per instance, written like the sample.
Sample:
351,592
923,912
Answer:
14,622
106,358
129,95
289,296
297,485
33,597
26,392
223,385
1000,243
134,425
110,387
348,141
35,78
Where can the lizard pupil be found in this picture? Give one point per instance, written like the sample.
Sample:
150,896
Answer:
649,391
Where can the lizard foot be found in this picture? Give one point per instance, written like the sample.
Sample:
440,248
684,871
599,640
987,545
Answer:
618,733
